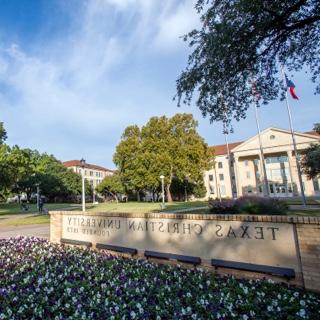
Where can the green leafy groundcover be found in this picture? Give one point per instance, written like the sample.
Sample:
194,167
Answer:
39,280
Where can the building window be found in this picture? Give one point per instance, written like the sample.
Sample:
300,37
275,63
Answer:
315,184
278,159
223,190
85,172
221,177
220,165
210,177
246,163
272,137
248,189
248,175
211,189
91,173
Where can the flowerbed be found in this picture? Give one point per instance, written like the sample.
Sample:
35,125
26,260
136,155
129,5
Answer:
39,280
248,205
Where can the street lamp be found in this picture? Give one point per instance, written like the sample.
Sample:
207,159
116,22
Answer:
162,187
38,195
82,164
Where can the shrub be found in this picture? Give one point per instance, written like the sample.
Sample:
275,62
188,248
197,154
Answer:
248,205
223,207
260,205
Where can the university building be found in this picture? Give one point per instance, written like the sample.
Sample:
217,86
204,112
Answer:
92,173
242,174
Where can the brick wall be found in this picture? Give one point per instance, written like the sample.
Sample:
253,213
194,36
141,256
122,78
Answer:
309,247
56,226
306,234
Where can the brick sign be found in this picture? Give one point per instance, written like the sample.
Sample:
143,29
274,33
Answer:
252,242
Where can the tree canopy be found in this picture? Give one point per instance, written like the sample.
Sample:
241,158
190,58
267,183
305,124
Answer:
246,41
3,133
111,185
311,158
21,170
164,146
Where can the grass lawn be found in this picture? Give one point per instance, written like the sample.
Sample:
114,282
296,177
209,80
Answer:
299,202
136,207
11,214
301,212
15,208
24,220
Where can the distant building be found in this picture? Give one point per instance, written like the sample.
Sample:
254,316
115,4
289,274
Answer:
244,168
92,173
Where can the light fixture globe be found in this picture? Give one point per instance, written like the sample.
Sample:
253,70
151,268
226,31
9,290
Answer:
82,162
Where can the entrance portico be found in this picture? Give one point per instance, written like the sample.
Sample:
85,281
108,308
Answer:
280,164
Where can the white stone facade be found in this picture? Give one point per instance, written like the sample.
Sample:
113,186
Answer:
244,172
94,174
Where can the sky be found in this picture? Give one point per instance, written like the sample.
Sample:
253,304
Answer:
74,74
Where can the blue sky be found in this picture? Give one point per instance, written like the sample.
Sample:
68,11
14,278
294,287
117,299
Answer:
74,74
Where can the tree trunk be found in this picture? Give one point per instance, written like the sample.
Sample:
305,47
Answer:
138,196
169,197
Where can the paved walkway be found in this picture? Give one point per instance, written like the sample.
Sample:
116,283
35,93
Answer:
36,230
186,210
301,207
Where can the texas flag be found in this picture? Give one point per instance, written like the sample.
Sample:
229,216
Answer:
291,87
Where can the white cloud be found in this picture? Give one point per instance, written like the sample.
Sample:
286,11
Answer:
78,83
175,22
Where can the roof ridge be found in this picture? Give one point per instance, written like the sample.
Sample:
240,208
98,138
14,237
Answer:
76,163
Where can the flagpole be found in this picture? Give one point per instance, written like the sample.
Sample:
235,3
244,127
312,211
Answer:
226,131
262,164
294,141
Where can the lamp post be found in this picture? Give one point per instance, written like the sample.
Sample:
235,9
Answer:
186,180
162,188
38,195
83,163
93,195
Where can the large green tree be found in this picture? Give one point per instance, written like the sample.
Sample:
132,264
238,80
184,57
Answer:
16,166
311,158
164,146
128,159
22,170
243,41
111,185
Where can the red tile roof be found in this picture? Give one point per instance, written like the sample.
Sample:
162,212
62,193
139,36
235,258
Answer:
221,149
76,163
313,133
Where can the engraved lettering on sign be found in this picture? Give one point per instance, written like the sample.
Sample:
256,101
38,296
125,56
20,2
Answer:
207,238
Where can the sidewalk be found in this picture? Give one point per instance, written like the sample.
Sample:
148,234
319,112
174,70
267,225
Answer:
35,230
186,210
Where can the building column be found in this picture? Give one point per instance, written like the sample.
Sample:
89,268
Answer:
290,172
293,174
236,175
